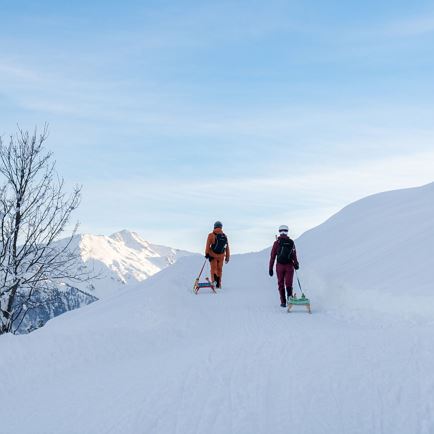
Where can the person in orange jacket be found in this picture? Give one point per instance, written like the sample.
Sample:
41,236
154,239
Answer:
217,251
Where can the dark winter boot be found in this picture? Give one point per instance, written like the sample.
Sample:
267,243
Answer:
218,282
282,304
289,292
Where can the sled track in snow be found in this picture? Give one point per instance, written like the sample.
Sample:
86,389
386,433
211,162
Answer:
163,360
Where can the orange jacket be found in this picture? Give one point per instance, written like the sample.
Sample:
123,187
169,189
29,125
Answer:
211,240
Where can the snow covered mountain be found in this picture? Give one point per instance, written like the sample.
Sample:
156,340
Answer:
121,259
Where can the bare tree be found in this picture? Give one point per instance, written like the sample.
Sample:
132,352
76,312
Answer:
34,212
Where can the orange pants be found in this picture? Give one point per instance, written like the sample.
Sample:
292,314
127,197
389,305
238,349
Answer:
217,266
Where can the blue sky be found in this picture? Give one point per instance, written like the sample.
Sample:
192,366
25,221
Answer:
174,114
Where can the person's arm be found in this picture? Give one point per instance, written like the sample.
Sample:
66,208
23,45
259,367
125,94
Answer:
294,258
209,243
273,255
227,253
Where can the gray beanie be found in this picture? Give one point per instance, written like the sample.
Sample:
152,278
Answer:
218,224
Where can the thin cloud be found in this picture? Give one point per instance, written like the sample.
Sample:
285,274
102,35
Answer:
11,72
411,26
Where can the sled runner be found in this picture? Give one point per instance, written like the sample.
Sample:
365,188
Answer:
207,284
199,285
302,301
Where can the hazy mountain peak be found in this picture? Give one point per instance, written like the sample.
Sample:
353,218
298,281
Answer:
131,239
123,257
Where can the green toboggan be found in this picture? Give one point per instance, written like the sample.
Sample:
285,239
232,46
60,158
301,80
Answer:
302,301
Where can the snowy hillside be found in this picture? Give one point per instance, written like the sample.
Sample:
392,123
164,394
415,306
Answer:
159,359
123,258
162,360
377,251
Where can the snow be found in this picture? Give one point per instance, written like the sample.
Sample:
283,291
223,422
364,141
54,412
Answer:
159,359
377,252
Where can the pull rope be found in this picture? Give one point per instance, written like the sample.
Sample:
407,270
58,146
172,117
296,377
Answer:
201,271
299,284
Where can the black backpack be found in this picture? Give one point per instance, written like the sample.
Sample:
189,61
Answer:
220,243
286,247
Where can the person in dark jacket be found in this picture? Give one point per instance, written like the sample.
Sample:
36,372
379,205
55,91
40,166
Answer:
284,251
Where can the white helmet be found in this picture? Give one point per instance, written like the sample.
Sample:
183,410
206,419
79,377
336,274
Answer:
283,228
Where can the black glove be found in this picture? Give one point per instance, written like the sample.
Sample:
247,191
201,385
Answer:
270,272
207,256
296,266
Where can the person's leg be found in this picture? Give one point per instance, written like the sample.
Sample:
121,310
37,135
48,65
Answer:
214,267
280,271
289,275
219,272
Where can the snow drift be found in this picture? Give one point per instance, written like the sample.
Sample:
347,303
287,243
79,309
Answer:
377,252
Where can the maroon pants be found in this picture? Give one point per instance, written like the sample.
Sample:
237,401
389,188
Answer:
285,274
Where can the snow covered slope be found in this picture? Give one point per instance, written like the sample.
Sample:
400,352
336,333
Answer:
123,258
161,360
377,251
